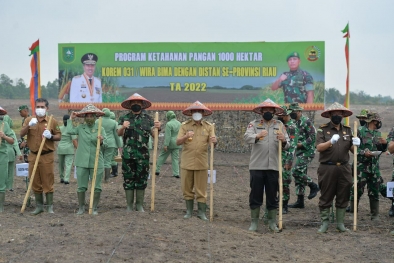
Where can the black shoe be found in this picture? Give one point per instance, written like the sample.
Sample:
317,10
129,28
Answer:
314,190
391,211
65,182
299,203
177,176
61,181
114,172
285,209
11,190
348,209
157,173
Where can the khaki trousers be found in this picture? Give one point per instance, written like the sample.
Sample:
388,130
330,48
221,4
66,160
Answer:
44,177
196,179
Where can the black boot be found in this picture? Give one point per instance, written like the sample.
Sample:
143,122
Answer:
314,190
299,203
114,170
391,211
285,209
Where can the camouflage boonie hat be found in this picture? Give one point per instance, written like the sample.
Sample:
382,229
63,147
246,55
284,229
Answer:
334,107
2,111
197,106
22,107
363,113
293,54
373,116
294,106
286,111
268,103
127,103
90,109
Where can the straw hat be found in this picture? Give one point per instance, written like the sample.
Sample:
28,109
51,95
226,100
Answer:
197,106
127,103
90,109
268,103
336,107
2,111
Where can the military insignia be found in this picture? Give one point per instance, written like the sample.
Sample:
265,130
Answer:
68,54
312,53
83,95
328,132
344,132
259,125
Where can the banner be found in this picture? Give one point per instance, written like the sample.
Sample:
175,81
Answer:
223,76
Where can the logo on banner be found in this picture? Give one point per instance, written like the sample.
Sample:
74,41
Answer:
312,53
68,54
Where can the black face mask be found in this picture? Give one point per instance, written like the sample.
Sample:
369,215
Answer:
293,115
65,123
336,119
268,116
379,125
136,108
362,122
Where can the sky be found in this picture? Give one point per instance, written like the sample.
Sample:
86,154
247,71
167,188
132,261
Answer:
122,21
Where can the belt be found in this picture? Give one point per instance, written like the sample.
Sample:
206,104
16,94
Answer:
335,163
43,152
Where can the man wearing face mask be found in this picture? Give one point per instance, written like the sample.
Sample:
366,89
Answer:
305,153
36,128
265,135
136,126
170,146
368,163
86,153
195,135
334,141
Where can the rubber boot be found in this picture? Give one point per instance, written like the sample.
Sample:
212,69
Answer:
299,203
340,219
129,199
49,198
391,211
2,198
81,203
202,208
107,174
139,202
265,216
96,200
189,209
285,207
325,216
374,205
314,189
114,170
272,221
254,214
350,208
39,204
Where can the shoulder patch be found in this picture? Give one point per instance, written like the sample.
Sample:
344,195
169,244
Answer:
77,77
347,126
207,122
323,125
186,122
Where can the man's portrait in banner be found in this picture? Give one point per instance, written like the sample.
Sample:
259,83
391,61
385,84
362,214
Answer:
87,87
297,84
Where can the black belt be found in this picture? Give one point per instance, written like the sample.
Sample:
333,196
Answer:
335,163
42,152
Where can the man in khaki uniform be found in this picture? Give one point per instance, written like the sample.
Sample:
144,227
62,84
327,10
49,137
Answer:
195,135
36,128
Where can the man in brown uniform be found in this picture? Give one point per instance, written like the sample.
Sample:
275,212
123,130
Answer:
333,142
36,128
195,135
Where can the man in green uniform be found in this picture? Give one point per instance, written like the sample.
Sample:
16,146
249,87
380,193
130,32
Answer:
368,163
297,84
24,112
110,126
114,163
65,152
170,146
305,153
6,138
136,127
288,154
86,153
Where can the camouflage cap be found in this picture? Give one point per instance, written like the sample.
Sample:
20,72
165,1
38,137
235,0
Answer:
373,116
90,109
268,103
127,103
336,107
2,111
22,107
293,54
294,106
286,111
363,113
197,106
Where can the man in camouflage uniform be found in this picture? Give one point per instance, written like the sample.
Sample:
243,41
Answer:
288,154
297,84
136,127
24,112
390,140
305,153
368,163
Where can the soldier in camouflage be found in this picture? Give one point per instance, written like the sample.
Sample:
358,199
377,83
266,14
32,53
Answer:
390,148
24,112
288,154
368,162
135,127
297,84
305,153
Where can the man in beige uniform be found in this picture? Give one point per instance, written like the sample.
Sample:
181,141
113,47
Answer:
195,135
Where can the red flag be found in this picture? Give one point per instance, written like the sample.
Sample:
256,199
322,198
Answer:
35,82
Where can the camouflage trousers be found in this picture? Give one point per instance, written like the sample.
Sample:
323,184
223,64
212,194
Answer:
300,175
135,173
373,182
286,181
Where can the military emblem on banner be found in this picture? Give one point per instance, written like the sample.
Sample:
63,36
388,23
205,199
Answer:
68,54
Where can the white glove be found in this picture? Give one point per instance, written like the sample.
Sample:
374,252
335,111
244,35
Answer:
334,138
356,141
47,134
33,122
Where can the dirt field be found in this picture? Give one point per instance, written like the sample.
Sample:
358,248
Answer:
164,236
